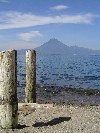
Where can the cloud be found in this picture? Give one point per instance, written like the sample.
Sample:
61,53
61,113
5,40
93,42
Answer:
29,35
3,1
59,7
12,20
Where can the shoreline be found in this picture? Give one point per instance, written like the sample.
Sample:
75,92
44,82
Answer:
65,96
71,89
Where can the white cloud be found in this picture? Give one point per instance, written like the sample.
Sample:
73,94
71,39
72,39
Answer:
3,1
59,7
11,20
29,35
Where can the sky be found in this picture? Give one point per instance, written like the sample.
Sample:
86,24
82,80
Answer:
30,23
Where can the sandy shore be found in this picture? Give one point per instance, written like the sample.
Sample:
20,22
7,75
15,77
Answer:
49,118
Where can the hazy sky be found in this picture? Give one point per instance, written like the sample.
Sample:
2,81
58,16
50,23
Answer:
30,23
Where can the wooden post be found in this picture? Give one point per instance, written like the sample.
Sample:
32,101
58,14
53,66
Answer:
30,89
8,89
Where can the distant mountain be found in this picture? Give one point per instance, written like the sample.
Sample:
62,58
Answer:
53,46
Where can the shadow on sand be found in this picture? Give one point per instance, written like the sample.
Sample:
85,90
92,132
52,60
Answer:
55,121
21,126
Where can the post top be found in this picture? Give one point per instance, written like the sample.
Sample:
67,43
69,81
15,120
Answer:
10,50
31,50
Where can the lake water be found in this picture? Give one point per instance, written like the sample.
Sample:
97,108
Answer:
62,70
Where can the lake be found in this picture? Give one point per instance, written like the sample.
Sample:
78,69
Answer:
63,70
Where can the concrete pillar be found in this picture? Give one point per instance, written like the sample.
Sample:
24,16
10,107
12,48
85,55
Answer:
8,90
30,89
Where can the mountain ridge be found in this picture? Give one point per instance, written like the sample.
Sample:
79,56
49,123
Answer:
54,46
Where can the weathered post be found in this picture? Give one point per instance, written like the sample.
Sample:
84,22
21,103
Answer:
30,89
8,89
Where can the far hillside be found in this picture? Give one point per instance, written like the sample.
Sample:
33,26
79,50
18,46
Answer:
53,46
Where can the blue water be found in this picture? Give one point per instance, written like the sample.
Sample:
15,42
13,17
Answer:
62,70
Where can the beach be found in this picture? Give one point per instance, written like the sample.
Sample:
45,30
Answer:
50,118
59,111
